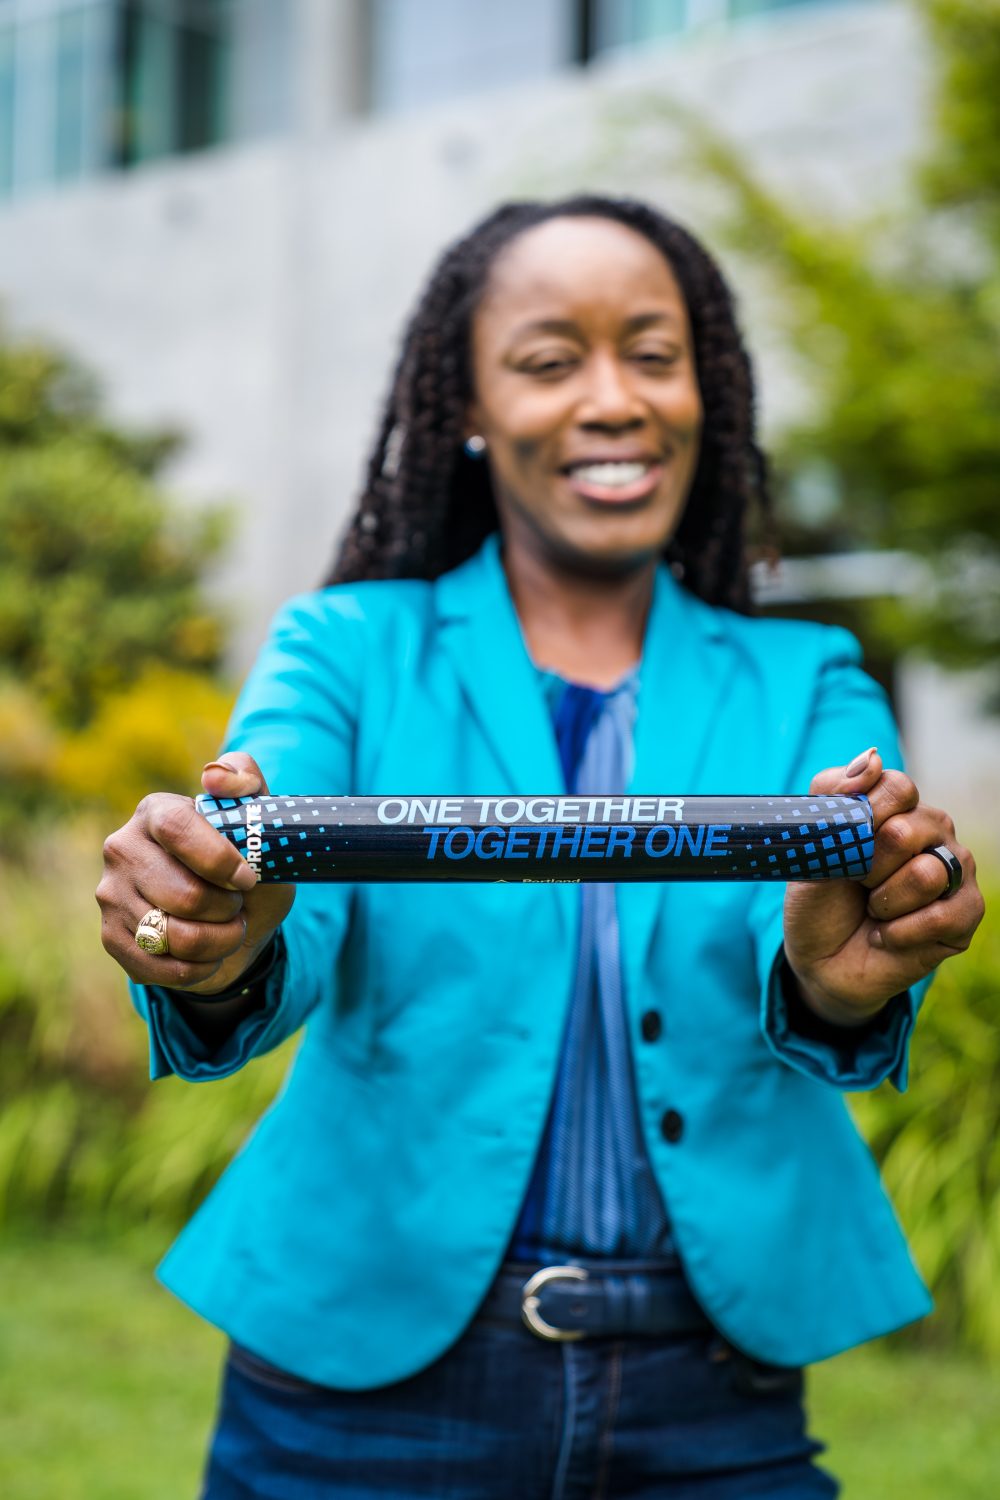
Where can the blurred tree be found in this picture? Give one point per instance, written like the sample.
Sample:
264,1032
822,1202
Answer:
894,325
155,733
108,689
99,575
897,323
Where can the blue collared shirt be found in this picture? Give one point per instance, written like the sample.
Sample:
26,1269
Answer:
592,1191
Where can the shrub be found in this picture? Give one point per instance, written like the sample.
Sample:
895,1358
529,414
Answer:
939,1145
154,734
83,1135
99,573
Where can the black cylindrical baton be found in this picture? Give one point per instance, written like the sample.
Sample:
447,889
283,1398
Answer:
547,838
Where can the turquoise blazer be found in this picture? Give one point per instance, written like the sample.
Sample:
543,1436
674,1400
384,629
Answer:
355,1234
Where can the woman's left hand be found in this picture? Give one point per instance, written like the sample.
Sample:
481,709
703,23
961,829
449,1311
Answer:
852,945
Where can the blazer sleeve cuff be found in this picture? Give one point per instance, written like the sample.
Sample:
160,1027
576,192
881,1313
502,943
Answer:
850,1058
174,1045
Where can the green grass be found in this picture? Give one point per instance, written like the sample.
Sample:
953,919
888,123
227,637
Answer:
107,1392
107,1385
908,1426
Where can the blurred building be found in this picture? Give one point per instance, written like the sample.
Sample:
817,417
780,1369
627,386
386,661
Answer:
226,206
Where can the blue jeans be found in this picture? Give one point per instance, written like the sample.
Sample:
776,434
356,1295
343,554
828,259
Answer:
506,1416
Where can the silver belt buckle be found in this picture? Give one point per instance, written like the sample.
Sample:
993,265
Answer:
529,1302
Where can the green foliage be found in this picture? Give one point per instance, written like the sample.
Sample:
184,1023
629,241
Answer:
153,735
966,166
108,691
939,1145
98,573
906,365
82,1133
28,748
894,327
108,649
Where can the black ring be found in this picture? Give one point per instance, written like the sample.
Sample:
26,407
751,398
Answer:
952,864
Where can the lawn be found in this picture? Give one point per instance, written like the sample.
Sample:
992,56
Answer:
107,1388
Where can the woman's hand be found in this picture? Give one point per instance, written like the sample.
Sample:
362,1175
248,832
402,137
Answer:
168,856
852,945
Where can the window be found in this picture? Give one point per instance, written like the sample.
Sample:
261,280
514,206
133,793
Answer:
6,110
625,23
87,85
70,46
431,51
172,66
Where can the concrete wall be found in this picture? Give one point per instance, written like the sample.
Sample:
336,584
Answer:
254,295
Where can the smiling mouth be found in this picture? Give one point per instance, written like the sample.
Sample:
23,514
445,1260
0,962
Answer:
615,481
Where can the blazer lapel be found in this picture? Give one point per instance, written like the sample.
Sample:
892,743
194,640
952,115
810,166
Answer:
482,634
480,631
685,666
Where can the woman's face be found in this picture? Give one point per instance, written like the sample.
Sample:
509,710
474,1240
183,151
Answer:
586,394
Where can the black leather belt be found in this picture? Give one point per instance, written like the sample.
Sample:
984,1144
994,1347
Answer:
588,1300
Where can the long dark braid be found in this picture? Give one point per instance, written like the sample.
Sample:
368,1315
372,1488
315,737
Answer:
427,506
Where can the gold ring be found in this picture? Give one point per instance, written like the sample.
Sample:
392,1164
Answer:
151,933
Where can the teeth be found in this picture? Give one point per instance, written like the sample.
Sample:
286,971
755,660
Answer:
611,474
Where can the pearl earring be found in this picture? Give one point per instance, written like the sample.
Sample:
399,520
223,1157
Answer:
475,446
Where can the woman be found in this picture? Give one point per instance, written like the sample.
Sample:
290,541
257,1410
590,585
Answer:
636,1091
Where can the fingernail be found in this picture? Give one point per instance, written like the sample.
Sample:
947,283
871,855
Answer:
245,877
859,762
875,938
221,765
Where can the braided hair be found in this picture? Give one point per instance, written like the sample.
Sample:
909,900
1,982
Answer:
427,505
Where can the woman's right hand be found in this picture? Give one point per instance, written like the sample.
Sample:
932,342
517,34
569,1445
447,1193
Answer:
168,856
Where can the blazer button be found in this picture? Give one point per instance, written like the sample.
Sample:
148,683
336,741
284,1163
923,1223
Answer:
651,1026
672,1126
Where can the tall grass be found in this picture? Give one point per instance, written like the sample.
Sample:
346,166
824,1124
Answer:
939,1143
83,1134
